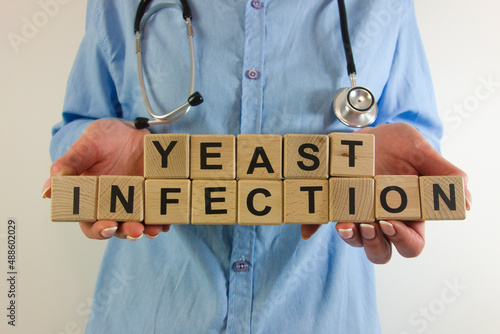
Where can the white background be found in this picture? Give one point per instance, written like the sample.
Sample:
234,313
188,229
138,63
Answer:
57,265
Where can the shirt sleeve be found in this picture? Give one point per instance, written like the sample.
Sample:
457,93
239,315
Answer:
409,94
91,91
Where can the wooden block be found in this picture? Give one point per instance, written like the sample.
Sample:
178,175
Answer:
213,157
213,202
305,156
258,157
166,156
260,202
74,199
352,154
305,201
121,198
397,197
167,202
352,200
442,197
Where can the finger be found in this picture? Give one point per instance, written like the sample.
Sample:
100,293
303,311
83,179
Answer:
349,232
428,161
77,159
47,189
377,248
468,197
407,237
307,231
100,230
131,230
152,231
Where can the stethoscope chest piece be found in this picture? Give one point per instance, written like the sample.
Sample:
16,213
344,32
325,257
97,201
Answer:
355,107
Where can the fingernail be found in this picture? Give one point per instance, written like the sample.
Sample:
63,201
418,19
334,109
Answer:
467,204
134,239
151,236
367,231
46,191
387,228
166,228
47,186
346,233
305,237
109,232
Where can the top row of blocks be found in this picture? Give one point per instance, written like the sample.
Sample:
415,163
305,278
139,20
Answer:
258,157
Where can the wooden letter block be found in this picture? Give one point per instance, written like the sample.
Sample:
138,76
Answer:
74,199
260,202
305,201
166,156
213,202
121,198
442,197
352,154
258,157
167,202
213,157
397,197
305,156
352,200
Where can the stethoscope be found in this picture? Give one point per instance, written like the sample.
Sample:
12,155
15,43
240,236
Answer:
354,106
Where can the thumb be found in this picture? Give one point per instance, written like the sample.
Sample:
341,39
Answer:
435,164
79,157
47,186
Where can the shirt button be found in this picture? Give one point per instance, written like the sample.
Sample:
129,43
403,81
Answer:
256,4
252,74
241,266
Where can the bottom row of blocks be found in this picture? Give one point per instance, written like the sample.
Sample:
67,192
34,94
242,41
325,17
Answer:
256,202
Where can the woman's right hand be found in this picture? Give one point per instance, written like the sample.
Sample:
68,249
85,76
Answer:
107,147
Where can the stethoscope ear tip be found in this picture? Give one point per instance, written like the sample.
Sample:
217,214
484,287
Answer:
141,123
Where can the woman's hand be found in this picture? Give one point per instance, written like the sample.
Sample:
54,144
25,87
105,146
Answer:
399,150
107,147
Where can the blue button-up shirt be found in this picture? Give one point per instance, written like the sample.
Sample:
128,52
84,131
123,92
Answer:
269,66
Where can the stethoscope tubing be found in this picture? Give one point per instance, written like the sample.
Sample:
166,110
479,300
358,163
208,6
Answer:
141,18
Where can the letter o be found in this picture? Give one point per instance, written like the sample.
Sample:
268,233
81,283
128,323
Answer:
383,199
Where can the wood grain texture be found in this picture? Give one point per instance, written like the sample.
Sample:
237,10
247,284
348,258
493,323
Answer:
167,202
442,197
166,156
352,200
305,156
305,201
352,154
260,202
213,157
397,197
259,157
121,198
214,202
74,199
